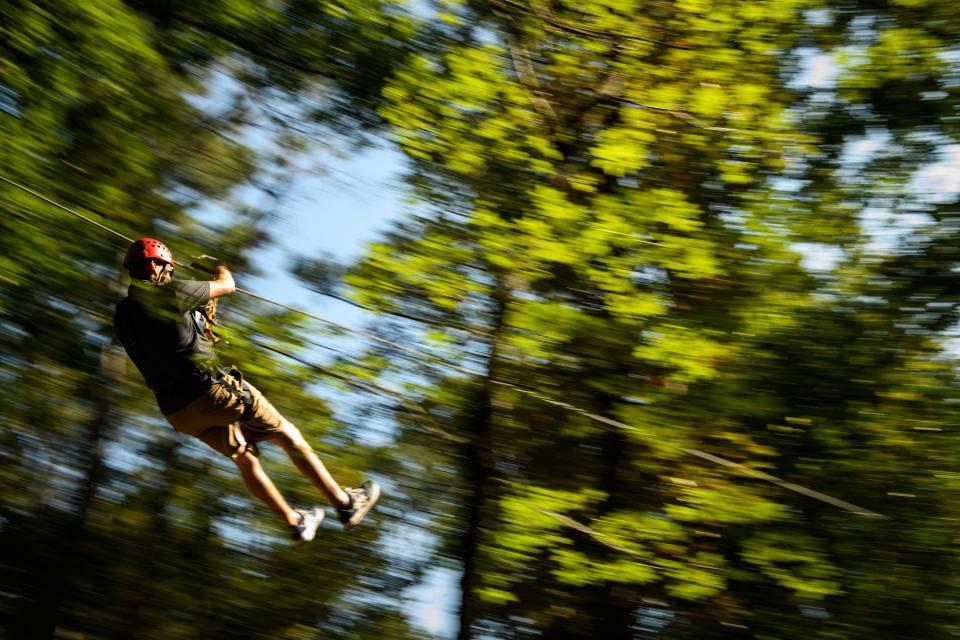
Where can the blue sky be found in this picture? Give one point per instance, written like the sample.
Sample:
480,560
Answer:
338,213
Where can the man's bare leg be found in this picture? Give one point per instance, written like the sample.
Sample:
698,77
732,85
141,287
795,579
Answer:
309,464
262,487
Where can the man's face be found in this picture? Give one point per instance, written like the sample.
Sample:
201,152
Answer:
156,272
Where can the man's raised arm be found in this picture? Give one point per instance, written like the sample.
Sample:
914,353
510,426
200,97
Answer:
223,284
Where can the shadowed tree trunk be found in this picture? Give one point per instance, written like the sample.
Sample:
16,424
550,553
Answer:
73,535
614,611
478,471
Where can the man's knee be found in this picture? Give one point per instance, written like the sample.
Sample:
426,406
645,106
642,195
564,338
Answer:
291,438
247,459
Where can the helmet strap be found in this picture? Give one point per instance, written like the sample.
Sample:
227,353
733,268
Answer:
162,276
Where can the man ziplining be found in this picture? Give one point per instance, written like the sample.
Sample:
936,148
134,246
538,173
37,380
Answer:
366,499
162,328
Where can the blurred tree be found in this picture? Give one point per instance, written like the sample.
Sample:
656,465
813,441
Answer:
609,214
610,193
110,527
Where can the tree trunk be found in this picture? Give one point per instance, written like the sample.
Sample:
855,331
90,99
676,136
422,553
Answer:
72,537
478,471
613,615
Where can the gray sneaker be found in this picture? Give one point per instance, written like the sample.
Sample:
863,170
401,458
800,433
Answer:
362,500
306,530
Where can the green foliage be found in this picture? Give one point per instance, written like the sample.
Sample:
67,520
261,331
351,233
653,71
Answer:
793,561
610,195
114,525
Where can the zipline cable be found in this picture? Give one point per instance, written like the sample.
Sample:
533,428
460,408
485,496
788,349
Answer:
364,385
63,208
410,405
749,471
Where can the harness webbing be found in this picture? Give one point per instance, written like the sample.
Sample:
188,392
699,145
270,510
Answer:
232,380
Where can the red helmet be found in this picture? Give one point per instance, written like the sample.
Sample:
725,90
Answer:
146,248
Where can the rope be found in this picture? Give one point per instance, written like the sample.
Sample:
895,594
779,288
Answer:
64,208
811,493
370,387
749,471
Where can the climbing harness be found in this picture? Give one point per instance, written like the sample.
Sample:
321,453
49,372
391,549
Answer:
232,380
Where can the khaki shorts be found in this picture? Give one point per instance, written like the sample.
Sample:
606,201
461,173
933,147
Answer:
216,418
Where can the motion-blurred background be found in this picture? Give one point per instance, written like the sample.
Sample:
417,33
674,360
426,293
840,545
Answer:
618,232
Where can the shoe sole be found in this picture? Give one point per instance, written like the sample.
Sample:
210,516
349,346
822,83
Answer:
373,491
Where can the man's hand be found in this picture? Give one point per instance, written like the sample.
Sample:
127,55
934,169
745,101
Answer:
205,263
223,283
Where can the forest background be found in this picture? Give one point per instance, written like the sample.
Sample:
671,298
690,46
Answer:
602,270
